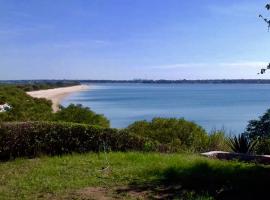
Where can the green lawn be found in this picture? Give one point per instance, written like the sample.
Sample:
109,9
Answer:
131,176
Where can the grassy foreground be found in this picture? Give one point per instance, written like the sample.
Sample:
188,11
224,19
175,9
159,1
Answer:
131,176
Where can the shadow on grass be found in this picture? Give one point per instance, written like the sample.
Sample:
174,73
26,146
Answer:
202,180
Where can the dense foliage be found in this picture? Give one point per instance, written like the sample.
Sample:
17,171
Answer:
177,133
80,114
217,140
24,107
259,131
27,108
30,139
260,128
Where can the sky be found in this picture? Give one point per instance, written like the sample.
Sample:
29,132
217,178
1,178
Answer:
133,39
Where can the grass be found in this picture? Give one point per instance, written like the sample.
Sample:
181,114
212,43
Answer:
131,176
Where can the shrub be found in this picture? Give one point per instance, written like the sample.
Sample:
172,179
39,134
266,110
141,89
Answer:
175,134
241,144
217,141
80,114
259,129
30,139
24,107
263,146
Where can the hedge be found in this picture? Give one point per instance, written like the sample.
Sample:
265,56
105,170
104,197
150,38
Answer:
31,139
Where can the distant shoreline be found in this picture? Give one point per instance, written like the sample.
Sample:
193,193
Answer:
146,81
183,81
56,95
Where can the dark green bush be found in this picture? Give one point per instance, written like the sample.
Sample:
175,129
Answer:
30,139
259,129
80,114
173,134
263,147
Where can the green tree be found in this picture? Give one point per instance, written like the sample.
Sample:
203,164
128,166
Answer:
80,114
178,133
259,131
260,128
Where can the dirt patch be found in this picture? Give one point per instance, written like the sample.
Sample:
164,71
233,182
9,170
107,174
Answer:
99,193
102,193
94,193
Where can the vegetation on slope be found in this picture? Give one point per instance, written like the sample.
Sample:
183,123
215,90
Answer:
27,108
24,107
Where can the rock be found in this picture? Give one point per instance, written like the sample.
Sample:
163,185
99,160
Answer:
222,155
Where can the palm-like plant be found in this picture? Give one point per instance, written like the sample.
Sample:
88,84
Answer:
241,144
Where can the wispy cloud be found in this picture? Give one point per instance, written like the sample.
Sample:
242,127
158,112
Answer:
24,30
81,43
251,64
235,8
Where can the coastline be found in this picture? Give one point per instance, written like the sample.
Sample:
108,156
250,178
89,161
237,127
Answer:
56,95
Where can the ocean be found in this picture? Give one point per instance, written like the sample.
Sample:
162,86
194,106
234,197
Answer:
213,106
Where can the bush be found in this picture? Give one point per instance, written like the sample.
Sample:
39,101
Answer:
263,147
259,129
24,107
217,141
30,139
80,114
173,134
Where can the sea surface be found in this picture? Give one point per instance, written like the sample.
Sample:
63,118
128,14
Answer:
213,106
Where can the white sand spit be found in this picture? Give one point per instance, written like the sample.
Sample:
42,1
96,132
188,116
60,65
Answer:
58,94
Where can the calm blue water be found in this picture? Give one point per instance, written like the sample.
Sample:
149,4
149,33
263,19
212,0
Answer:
213,106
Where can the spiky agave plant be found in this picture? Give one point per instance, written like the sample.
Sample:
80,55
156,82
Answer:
242,144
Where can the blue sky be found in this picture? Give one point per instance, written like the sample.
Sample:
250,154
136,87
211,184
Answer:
127,39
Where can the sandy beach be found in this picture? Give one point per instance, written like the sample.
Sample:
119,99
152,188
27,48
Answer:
57,95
